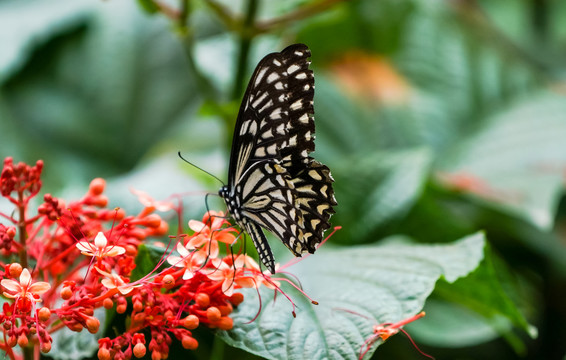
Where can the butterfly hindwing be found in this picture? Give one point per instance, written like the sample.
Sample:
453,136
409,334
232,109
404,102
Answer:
272,181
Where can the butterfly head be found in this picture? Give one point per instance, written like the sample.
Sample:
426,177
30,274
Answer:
224,193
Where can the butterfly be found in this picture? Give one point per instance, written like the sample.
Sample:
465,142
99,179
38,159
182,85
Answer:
273,182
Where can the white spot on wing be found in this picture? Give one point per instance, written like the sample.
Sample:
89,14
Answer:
267,134
259,76
260,152
275,114
268,105
297,104
244,128
272,77
272,149
291,69
259,99
253,127
293,140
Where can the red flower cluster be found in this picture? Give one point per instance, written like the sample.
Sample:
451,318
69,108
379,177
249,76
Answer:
84,253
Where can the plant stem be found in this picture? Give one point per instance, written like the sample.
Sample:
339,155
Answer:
309,9
246,36
22,230
28,352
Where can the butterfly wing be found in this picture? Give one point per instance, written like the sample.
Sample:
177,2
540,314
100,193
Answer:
273,181
275,118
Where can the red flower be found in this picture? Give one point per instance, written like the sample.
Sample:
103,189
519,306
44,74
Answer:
100,247
209,232
231,275
25,288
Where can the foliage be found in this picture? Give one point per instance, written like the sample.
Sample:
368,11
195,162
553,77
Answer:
438,119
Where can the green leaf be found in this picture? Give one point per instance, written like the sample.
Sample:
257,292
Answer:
487,311
149,6
518,155
133,89
450,325
482,292
378,188
25,25
385,283
143,263
70,345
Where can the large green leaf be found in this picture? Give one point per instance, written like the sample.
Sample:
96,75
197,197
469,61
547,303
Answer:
98,96
25,25
385,283
518,155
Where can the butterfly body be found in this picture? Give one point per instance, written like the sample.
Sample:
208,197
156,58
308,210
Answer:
273,183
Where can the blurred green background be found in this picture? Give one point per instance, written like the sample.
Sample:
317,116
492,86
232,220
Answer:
437,118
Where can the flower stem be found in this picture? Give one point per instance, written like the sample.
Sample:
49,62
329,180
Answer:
22,231
28,353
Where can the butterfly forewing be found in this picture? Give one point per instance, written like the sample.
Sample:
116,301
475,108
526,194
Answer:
272,180
275,118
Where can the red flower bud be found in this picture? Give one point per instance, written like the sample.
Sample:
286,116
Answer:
44,314
120,309
103,354
202,300
168,281
66,293
75,326
237,298
191,322
45,347
139,350
23,340
213,314
189,343
138,305
225,309
97,186
92,325
15,270
108,303
225,323
152,221
12,341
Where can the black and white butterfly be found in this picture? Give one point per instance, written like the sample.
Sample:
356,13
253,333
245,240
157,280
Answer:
273,183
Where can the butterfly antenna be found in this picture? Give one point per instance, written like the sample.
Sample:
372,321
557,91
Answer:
201,169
